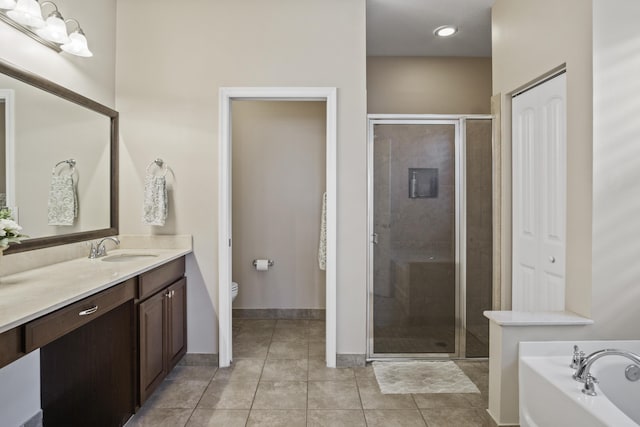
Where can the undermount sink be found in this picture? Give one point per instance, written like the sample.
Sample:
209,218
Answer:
127,257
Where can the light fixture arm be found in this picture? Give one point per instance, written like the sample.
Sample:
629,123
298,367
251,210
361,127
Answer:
78,29
55,8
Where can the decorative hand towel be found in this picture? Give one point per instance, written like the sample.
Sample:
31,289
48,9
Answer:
63,200
322,249
156,203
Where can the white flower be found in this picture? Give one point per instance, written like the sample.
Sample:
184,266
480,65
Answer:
10,227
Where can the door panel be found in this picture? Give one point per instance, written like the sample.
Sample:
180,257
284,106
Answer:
539,197
415,285
152,342
177,321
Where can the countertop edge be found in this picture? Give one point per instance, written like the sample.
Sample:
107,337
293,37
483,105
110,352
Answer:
49,309
540,318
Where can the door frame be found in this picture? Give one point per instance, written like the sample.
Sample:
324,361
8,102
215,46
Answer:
459,121
226,96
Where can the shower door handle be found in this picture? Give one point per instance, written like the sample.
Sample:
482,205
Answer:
374,238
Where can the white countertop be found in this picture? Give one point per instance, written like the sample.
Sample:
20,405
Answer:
33,293
537,318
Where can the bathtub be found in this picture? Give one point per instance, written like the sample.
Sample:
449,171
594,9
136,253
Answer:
550,397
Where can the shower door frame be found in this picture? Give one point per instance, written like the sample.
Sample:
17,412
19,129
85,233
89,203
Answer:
459,121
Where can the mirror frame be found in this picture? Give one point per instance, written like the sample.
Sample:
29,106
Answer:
69,95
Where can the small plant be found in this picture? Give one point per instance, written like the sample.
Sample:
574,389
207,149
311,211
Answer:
9,229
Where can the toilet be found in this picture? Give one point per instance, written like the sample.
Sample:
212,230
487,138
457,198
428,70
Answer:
234,291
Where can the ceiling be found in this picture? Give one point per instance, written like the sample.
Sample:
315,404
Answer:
405,27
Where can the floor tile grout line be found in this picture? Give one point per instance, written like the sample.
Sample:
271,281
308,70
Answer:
201,396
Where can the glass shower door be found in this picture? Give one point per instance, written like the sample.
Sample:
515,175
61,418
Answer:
414,252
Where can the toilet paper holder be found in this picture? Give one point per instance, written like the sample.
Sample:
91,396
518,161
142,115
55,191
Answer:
255,263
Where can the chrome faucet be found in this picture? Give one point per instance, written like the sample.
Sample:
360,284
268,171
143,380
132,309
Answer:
99,250
583,371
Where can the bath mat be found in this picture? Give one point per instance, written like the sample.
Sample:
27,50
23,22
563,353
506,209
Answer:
422,377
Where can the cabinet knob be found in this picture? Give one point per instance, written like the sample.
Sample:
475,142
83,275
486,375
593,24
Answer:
552,260
168,294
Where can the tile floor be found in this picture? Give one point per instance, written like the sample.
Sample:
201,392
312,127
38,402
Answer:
279,378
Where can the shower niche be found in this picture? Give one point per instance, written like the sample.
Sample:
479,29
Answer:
423,183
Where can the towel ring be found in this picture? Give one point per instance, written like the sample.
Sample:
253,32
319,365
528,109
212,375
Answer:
70,163
160,164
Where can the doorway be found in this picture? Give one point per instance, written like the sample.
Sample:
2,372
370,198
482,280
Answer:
225,240
430,224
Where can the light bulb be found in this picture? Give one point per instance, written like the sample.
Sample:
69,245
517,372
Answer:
55,29
7,4
28,13
77,45
445,31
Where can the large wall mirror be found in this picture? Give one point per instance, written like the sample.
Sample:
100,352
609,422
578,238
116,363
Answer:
58,161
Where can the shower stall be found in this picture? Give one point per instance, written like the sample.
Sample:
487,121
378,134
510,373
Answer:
430,223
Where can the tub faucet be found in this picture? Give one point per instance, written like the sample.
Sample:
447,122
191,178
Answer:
99,250
583,371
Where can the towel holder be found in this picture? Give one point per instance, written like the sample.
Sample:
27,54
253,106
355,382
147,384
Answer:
159,163
71,163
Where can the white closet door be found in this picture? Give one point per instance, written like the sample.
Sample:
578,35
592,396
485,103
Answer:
539,197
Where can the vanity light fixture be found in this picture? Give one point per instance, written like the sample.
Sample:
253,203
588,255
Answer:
445,31
27,17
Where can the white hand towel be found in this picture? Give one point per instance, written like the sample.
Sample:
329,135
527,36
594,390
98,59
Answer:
63,200
156,203
322,249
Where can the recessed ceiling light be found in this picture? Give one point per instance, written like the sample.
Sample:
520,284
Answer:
445,31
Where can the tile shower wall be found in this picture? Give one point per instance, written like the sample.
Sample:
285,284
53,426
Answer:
479,235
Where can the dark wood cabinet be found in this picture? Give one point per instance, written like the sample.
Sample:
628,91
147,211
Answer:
162,326
177,321
103,356
152,342
11,345
88,375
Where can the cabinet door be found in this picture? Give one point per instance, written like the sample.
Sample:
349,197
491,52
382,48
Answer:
87,375
539,197
152,344
177,322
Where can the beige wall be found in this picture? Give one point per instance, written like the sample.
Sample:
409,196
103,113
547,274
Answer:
616,169
531,38
428,85
167,86
94,78
278,180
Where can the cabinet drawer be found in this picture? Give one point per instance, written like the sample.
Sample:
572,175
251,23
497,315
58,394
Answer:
11,347
48,328
158,278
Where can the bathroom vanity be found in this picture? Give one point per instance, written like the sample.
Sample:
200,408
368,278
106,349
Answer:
109,330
